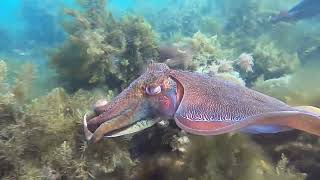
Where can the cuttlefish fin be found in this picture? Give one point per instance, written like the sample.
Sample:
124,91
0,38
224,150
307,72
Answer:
257,129
310,109
271,122
265,129
302,120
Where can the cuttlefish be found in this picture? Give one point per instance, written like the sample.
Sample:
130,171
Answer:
304,9
199,104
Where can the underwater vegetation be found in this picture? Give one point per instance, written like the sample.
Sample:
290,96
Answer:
243,19
103,48
272,62
297,88
235,162
41,136
186,19
184,23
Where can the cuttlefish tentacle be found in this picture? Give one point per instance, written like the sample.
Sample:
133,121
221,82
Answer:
200,104
106,127
102,129
88,134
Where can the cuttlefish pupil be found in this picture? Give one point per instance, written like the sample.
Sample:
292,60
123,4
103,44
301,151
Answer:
199,104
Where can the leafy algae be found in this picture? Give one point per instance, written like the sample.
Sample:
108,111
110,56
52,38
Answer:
104,49
42,138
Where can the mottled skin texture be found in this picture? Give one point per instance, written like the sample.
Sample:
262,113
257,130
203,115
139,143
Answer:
200,104
215,103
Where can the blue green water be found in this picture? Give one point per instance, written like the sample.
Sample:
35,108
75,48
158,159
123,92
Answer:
59,57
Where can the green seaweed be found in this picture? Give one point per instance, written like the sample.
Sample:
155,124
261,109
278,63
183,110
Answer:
184,21
296,89
273,62
222,157
207,52
42,137
103,49
246,21
46,135
22,89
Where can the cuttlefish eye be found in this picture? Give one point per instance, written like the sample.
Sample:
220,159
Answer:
153,90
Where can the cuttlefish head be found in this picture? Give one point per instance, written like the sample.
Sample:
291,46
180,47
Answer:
149,99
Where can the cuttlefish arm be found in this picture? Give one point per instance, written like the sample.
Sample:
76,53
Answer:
147,100
200,104
211,106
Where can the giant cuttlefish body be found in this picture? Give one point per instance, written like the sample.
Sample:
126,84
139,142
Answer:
199,104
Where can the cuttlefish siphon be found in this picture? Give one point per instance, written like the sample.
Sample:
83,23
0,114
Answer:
199,104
